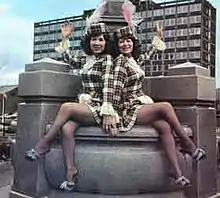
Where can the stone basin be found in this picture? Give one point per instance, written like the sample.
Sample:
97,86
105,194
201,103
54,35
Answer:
131,163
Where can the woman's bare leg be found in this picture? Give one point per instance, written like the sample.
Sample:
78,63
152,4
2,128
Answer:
149,113
168,144
79,113
68,144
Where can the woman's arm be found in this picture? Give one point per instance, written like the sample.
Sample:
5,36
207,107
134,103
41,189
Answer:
110,117
156,44
108,87
120,78
64,47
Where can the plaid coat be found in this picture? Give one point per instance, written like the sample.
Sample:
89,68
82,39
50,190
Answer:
128,80
98,81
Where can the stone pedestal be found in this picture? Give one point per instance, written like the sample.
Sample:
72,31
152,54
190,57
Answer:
113,15
133,163
193,95
42,91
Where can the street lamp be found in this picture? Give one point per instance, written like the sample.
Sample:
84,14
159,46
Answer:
4,98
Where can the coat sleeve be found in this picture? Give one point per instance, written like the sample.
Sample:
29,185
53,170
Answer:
156,45
108,86
74,61
120,78
143,58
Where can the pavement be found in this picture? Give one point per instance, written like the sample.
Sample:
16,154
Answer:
4,191
6,178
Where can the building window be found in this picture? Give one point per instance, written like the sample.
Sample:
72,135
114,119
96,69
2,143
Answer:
36,38
139,14
182,9
51,27
171,56
142,36
198,19
149,24
184,55
45,28
57,26
167,11
195,54
77,23
149,13
158,12
170,22
195,43
75,43
166,56
182,44
177,56
170,33
195,7
195,19
144,14
182,32
172,10
150,35
37,29
78,33
182,21
194,31
144,24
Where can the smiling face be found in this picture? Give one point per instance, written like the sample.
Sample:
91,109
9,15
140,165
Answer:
97,44
126,46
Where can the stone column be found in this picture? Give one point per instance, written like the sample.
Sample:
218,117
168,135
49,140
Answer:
113,15
43,87
191,90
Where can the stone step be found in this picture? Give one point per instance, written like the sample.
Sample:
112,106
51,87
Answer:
57,194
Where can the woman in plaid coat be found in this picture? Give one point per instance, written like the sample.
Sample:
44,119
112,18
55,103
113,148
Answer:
95,104
133,106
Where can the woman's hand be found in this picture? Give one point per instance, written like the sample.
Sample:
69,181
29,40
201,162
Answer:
160,32
108,125
66,29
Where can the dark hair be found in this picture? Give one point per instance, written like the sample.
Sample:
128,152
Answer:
85,43
136,46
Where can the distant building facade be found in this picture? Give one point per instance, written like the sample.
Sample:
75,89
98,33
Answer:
189,31
47,35
11,101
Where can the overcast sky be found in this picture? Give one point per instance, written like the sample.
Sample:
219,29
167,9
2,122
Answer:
16,35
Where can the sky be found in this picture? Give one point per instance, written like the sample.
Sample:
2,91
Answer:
17,19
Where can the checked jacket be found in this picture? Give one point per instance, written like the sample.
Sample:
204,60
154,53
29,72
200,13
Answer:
128,93
97,75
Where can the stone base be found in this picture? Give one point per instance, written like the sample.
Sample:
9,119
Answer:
215,196
58,194
131,164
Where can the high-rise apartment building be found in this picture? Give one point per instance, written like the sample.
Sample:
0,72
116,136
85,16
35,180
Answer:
189,33
47,35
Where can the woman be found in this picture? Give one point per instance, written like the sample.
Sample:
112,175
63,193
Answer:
133,106
95,105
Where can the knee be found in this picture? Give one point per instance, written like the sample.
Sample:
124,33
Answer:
166,107
65,107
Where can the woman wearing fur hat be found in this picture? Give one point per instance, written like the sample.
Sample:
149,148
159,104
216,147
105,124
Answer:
133,106
95,104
